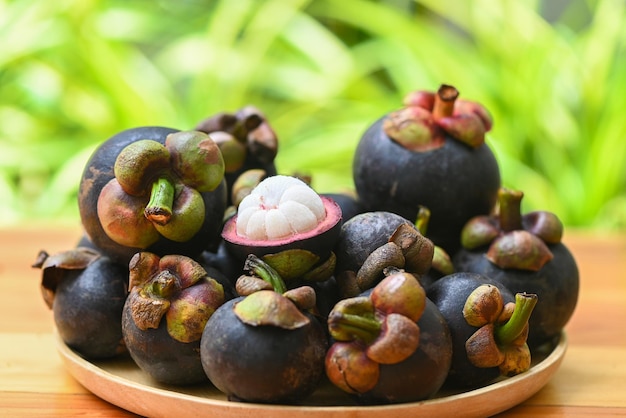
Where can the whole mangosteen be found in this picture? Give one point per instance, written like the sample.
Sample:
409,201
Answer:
86,292
170,301
153,189
431,153
372,241
488,326
265,346
391,343
525,254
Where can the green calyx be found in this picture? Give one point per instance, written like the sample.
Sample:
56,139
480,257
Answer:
427,117
513,240
163,184
267,300
500,340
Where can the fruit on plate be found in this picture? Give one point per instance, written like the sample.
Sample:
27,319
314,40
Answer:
390,345
246,140
525,254
372,241
86,292
170,301
284,221
265,346
431,152
488,326
153,189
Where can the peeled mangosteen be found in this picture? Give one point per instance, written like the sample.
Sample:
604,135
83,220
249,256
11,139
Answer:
153,189
525,254
170,301
430,153
265,346
86,292
246,140
488,326
391,343
290,226
372,241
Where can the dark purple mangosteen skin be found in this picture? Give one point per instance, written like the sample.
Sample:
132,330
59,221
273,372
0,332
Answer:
87,309
449,295
421,375
320,244
263,364
99,171
165,359
350,206
363,234
455,182
556,285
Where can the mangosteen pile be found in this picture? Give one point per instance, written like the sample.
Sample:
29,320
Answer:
205,265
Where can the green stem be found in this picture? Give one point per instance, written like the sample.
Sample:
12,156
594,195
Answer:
508,332
357,326
263,270
159,208
423,217
510,209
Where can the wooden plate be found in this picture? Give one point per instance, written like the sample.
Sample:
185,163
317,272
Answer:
122,383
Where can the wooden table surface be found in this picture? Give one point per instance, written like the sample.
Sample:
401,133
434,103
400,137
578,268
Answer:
33,382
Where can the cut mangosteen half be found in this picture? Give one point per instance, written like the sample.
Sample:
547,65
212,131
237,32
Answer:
283,213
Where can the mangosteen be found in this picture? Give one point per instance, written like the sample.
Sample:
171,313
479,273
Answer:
170,301
431,152
86,292
372,241
153,189
525,254
390,346
246,140
488,326
265,346
290,226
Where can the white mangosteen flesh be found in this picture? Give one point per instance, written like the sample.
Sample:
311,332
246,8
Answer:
279,207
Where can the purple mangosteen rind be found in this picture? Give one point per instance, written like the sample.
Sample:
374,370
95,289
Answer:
86,293
99,172
424,373
556,284
319,240
160,356
456,182
363,234
450,294
264,364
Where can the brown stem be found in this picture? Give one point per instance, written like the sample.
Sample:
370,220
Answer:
510,209
444,101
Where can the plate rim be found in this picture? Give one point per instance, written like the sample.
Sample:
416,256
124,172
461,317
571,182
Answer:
105,384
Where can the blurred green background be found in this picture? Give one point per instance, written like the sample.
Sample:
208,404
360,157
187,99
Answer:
552,73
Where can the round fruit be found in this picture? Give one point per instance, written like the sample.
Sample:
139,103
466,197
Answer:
154,189
430,153
86,293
